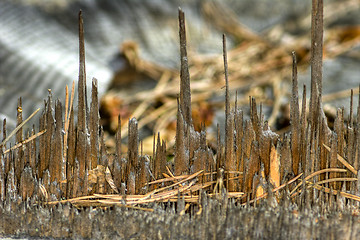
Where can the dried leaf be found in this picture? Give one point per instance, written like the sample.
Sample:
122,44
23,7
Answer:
110,180
274,176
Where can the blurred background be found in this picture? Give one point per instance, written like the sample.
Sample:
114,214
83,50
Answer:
132,50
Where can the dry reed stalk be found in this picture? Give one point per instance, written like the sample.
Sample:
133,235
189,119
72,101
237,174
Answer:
18,128
343,161
68,109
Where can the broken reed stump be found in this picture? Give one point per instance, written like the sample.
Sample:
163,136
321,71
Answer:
67,162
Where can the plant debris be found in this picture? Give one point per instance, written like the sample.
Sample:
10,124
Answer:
67,162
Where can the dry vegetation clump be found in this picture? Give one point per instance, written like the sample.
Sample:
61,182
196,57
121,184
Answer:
47,175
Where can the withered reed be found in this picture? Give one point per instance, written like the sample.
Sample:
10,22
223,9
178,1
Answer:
66,160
